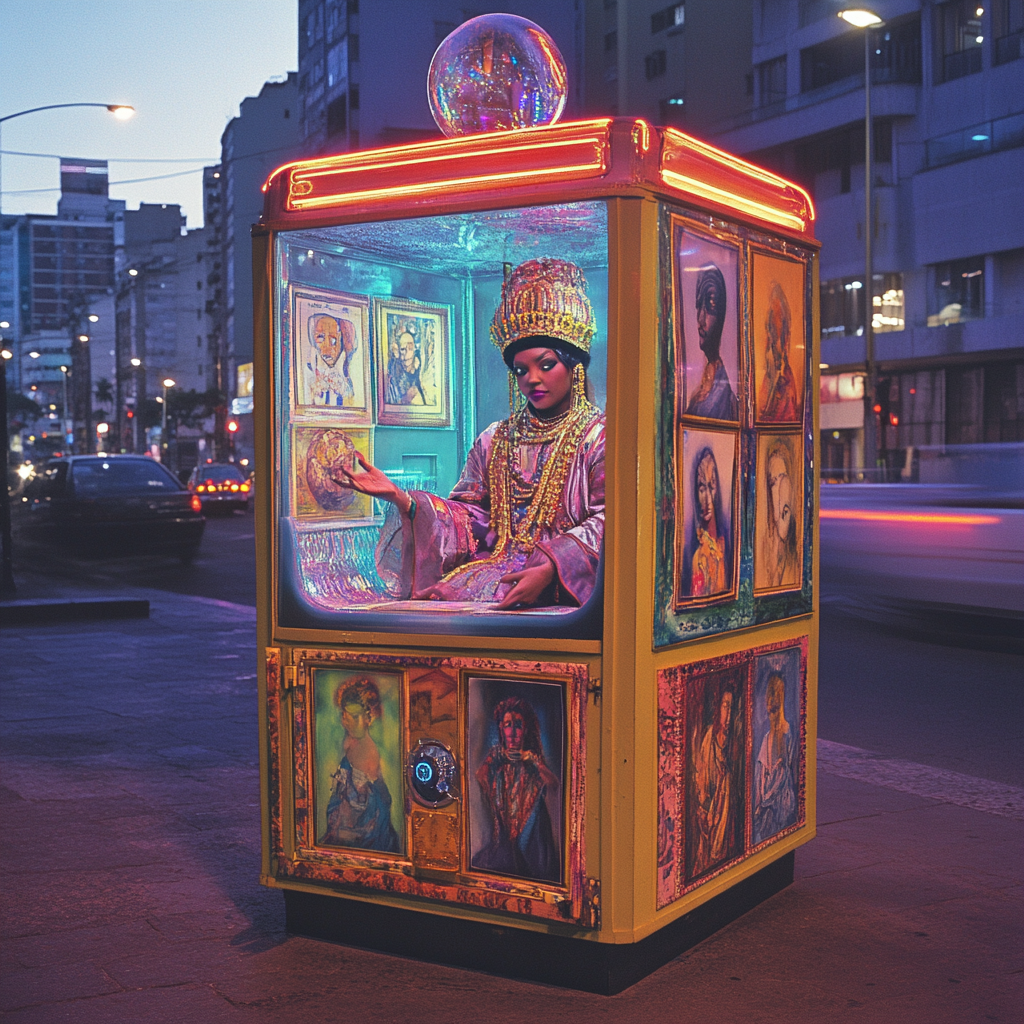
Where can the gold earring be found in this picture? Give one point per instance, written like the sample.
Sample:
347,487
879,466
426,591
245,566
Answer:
514,394
579,385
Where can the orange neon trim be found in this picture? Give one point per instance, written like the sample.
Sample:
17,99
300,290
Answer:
720,195
939,518
337,199
445,147
642,129
738,164
338,196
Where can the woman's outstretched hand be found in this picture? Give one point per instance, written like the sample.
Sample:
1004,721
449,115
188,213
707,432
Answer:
527,585
373,482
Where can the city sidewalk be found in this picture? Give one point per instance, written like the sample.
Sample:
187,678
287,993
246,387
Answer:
130,842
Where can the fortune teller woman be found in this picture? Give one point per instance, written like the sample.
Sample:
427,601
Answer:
525,523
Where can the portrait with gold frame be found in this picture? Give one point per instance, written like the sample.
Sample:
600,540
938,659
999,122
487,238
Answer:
707,306
331,341
778,335
779,512
319,451
708,515
412,351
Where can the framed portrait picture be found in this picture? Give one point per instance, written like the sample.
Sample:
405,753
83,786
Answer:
707,522
778,513
716,769
779,337
516,770
413,357
776,733
707,301
318,452
357,759
332,353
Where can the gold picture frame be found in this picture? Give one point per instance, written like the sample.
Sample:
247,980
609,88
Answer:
412,352
331,342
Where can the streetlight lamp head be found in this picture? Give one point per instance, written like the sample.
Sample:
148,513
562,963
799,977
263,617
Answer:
860,17
93,318
6,353
168,383
121,111
133,272
63,369
33,354
4,324
136,362
83,337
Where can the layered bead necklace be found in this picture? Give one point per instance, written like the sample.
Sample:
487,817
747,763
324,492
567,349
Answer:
509,490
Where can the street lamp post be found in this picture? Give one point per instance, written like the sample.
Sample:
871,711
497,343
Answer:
122,111
136,408
64,424
6,560
866,19
167,383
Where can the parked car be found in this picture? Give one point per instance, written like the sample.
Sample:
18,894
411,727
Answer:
220,485
103,503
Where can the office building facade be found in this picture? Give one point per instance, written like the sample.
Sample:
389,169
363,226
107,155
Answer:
947,289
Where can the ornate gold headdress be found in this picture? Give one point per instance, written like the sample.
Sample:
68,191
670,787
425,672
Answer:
544,297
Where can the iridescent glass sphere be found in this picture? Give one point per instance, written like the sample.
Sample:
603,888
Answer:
494,73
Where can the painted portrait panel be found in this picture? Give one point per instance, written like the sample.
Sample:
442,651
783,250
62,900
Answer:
707,526
357,759
516,771
413,355
671,796
332,352
715,769
318,453
778,329
778,513
707,304
776,729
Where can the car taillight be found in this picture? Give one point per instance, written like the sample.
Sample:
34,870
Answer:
200,488
197,505
234,487
245,487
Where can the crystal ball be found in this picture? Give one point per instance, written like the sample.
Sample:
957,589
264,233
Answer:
494,73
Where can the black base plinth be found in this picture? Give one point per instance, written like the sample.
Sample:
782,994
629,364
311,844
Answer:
514,953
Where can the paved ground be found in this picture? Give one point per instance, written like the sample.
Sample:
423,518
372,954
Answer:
130,852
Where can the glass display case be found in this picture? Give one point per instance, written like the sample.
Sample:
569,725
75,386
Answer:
384,351
536,561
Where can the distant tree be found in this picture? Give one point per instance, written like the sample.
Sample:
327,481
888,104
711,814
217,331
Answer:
104,392
21,409
190,408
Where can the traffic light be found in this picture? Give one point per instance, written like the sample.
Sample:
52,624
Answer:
232,426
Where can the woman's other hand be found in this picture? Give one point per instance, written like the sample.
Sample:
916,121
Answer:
527,585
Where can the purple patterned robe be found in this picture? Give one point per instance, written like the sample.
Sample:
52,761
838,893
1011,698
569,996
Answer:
445,534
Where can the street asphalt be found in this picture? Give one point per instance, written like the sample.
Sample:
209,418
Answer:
130,844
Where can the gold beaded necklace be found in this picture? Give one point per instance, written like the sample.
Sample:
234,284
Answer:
567,432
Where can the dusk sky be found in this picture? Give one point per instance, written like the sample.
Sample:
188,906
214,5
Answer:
185,65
